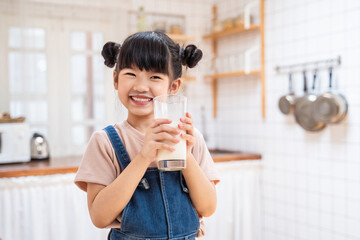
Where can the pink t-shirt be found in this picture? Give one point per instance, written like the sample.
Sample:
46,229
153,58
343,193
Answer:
99,164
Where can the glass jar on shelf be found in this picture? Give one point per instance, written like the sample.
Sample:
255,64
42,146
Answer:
239,20
233,63
176,29
252,59
159,26
217,27
251,14
240,62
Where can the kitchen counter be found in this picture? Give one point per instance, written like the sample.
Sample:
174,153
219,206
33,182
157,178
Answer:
225,156
70,164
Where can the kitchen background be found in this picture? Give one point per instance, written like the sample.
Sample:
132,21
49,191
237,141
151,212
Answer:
310,182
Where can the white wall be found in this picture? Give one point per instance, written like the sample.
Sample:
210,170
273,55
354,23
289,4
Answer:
311,181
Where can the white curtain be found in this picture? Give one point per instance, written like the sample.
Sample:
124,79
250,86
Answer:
52,207
238,213
43,208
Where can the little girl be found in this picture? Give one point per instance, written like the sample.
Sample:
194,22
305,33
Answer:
125,190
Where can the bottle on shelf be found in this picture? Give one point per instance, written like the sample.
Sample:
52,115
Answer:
251,14
252,59
141,20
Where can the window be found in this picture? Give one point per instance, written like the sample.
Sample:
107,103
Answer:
87,85
28,76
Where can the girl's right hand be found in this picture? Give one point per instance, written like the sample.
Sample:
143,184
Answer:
155,137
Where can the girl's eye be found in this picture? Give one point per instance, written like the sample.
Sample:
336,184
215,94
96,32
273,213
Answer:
130,74
155,77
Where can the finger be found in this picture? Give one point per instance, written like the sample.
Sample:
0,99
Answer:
165,136
187,127
157,122
164,146
190,139
166,128
186,120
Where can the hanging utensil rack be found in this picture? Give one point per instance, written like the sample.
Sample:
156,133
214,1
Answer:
307,66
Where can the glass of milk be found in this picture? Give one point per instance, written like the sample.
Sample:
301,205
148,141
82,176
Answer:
172,107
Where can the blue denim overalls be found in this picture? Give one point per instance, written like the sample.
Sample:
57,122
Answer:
160,207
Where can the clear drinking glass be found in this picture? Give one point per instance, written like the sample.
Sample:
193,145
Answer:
172,107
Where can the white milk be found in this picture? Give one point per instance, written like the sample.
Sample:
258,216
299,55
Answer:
172,161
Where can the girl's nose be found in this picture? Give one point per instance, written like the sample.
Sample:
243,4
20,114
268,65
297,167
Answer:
141,85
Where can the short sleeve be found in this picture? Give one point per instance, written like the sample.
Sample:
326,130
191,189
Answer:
204,159
98,162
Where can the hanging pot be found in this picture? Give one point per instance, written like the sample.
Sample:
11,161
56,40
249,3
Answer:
330,107
304,108
287,102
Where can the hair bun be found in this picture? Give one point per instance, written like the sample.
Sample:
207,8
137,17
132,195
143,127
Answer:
190,56
110,52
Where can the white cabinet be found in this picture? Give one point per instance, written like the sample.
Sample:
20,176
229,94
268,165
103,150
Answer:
238,214
43,208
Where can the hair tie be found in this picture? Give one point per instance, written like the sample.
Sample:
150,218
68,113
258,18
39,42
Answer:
181,51
118,46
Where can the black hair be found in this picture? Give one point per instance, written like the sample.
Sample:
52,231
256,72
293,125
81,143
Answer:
151,51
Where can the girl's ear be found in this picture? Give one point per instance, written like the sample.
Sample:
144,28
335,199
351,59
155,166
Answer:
115,80
175,86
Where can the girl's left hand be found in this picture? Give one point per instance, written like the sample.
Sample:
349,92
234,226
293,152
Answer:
187,125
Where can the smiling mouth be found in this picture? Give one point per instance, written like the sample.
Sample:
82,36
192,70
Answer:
138,99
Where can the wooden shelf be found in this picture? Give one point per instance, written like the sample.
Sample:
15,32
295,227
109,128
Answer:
189,79
231,31
233,74
181,37
215,36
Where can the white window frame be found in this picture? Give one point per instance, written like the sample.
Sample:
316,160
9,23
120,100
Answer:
69,27
57,33
5,96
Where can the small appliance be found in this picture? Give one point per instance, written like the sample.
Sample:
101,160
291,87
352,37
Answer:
14,142
39,147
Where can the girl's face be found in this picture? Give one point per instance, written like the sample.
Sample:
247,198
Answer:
136,89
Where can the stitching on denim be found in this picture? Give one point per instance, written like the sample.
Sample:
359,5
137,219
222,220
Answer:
136,237
190,236
196,216
124,217
118,146
152,169
124,154
163,191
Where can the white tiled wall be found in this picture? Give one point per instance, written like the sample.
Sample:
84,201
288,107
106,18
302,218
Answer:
311,181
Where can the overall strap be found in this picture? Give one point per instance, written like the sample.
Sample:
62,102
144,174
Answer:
120,150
